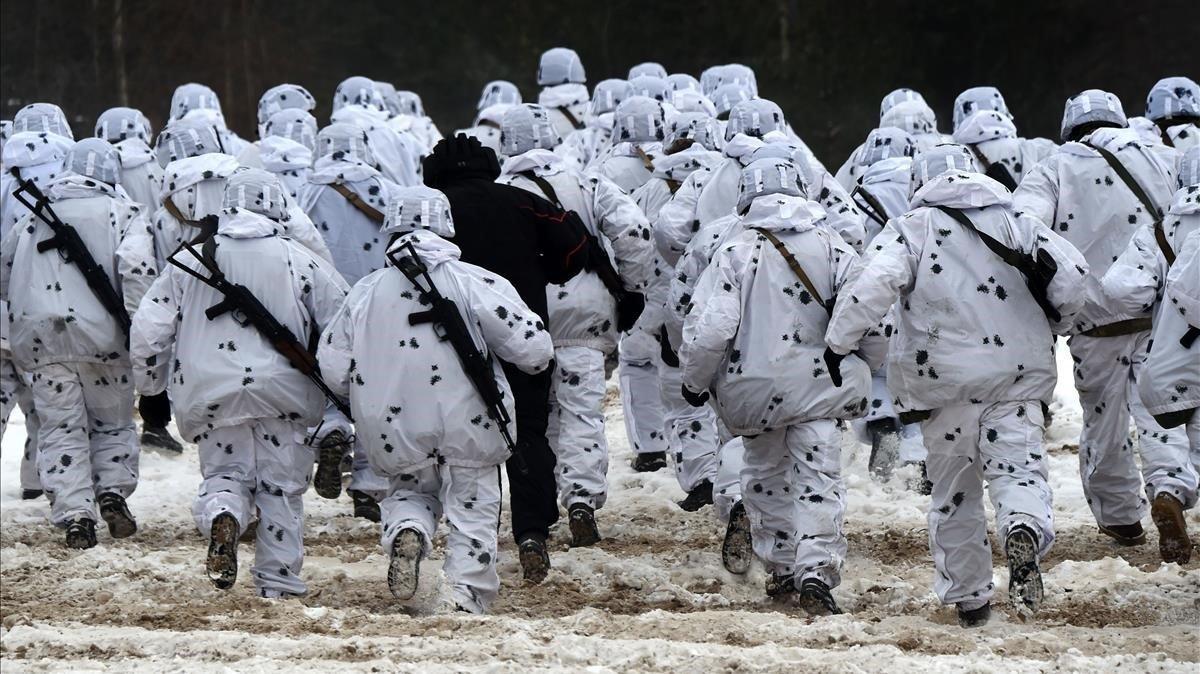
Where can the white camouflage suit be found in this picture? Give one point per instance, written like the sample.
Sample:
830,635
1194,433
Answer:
70,347
1142,276
973,349
1086,202
691,432
582,311
777,394
426,427
40,138
129,131
638,132
883,178
354,241
241,401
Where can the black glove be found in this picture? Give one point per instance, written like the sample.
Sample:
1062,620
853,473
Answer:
833,361
694,399
629,309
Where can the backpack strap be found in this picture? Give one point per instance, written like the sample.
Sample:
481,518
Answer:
794,265
357,202
1160,236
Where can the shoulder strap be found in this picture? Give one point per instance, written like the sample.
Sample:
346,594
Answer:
995,171
357,202
1005,253
571,117
208,252
1160,236
794,265
543,185
1130,182
645,159
874,209
673,185
169,204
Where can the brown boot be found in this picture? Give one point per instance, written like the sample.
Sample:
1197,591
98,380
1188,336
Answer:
1173,542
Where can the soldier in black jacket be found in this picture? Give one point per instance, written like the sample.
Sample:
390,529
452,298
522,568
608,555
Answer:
531,243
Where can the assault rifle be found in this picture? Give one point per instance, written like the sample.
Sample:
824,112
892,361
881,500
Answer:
72,250
247,310
449,326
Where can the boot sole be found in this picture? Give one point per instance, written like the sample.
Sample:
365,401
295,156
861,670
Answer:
535,563
120,525
1173,542
404,570
148,440
221,564
1025,589
1122,540
328,480
737,551
885,453
816,605
584,532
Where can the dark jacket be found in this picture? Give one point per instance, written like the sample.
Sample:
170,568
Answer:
506,230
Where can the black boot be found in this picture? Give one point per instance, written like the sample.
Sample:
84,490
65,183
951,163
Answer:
115,512
365,506
1125,534
700,496
885,447
974,617
738,550
160,437
81,534
582,519
535,559
780,585
31,494
222,565
649,462
404,569
328,479
1024,575
1174,545
816,598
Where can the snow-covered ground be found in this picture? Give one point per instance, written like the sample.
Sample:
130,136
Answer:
651,597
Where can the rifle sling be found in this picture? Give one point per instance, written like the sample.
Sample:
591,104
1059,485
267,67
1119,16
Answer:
998,172
1010,256
1127,178
875,210
570,117
1140,193
1160,236
357,202
794,265
646,161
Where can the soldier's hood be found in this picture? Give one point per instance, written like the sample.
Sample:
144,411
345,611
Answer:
1186,201
184,173
888,170
541,162
959,189
563,95
239,223
680,165
34,148
283,154
433,249
134,152
984,125
783,213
